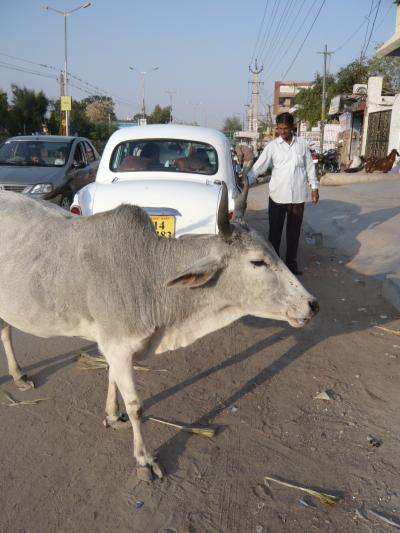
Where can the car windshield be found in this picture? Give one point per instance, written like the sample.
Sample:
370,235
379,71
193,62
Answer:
34,153
164,155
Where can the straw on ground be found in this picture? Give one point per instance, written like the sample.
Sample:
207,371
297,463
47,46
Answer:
204,432
388,330
14,402
323,497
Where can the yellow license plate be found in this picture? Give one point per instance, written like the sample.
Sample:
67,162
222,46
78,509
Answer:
164,225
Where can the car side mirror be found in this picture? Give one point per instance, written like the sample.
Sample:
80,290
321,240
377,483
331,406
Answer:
78,164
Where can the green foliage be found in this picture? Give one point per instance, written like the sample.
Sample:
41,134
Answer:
99,108
310,100
389,69
160,115
232,124
346,77
27,113
342,82
3,112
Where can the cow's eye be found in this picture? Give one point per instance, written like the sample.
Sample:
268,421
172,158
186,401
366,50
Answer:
259,263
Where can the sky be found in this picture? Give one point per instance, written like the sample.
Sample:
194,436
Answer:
202,49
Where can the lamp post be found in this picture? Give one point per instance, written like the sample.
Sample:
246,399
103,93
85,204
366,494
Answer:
142,77
171,94
66,14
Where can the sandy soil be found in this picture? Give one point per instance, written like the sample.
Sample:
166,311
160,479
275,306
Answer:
256,380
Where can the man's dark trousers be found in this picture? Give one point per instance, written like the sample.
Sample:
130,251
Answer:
294,218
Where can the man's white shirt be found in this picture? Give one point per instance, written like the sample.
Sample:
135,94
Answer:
292,170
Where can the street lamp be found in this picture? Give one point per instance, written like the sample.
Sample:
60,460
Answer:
65,14
171,93
142,76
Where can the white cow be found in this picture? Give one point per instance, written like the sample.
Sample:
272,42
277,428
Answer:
110,279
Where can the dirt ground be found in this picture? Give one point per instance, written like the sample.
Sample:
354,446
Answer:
257,381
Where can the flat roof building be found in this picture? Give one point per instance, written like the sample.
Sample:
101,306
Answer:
284,94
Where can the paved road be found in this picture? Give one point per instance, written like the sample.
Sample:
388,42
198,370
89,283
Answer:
361,221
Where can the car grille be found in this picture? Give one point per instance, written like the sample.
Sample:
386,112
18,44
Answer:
14,188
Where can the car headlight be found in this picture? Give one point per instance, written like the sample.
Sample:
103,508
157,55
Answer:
40,188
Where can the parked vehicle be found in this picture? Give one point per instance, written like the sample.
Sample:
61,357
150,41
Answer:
174,172
326,162
49,167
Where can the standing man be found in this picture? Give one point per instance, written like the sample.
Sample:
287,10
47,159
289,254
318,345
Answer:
292,173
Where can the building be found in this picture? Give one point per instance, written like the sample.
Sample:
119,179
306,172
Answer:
284,94
392,46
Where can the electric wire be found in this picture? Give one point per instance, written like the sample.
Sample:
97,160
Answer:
305,39
273,35
268,26
367,28
276,38
277,61
259,31
70,75
372,29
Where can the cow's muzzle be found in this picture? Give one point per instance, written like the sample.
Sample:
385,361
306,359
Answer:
298,322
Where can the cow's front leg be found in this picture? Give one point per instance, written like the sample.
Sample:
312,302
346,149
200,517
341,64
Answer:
21,380
121,369
114,419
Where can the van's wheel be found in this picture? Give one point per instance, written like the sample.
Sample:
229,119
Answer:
66,200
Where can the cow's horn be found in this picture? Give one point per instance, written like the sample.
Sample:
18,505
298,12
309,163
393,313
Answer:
241,201
224,226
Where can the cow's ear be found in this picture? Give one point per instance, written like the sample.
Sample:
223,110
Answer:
198,274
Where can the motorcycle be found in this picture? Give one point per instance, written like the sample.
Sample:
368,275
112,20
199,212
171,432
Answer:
326,162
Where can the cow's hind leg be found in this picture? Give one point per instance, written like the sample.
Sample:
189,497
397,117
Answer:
114,419
21,380
120,362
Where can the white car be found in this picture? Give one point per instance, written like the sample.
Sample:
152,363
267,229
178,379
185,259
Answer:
174,172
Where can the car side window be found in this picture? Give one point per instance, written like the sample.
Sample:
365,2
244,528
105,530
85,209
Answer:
79,155
89,152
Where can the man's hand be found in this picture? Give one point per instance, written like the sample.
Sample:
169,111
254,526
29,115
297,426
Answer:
314,196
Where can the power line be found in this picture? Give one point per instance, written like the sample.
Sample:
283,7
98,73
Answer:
353,34
267,28
295,34
259,31
367,28
305,39
18,68
50,67
274,40
372,30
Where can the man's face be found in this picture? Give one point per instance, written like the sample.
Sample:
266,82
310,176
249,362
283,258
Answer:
284,131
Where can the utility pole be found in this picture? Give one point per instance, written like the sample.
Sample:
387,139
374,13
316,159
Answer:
255,96
171,93
62,93
323,106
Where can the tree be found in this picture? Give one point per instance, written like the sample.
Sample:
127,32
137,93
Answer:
346,77
310,100
80,123
3,113
160,115
388,68
231,124
27,113
99,108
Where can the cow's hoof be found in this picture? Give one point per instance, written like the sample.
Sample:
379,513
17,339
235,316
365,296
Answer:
149,472
24,384
117,422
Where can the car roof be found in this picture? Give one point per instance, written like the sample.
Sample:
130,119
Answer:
169,131
49,138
